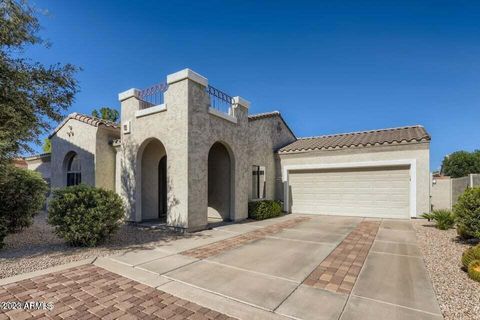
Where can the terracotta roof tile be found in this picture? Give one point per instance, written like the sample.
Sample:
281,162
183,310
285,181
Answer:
408,134
93,121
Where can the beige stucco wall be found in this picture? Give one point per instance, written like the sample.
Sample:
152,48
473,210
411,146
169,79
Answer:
105,157
205,129
441,194
264,137
93,146
170,128
42,165
418,152
78,137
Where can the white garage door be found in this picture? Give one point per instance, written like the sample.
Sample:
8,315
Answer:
368,192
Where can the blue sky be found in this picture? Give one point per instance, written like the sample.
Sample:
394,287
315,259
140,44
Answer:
328,66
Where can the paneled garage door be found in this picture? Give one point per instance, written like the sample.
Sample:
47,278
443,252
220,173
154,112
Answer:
369,192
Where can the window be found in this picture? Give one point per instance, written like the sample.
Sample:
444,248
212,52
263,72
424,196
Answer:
74,168
258,182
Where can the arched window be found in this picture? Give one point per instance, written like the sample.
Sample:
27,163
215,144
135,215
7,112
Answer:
74,168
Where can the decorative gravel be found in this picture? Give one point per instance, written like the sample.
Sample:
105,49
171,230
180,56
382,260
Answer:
38,247
457,294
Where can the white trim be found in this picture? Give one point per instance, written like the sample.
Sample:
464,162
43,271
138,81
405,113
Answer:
241,101
222,115
187,74
151,110
364,164
128,94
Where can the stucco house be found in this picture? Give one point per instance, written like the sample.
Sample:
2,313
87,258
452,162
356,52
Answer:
188,154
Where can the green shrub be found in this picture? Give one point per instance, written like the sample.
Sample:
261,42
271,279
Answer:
22,195
264,209
467,213
474,270
428,216
444,219
85,216
3,231
470,255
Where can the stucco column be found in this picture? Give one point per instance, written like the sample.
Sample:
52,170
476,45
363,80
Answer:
242,163
126,183
182,99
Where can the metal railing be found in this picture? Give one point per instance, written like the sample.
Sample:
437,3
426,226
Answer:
219,100
153,96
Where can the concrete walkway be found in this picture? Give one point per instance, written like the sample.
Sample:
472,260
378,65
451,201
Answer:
361,269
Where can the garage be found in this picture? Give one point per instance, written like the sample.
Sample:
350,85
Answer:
380,173
369,192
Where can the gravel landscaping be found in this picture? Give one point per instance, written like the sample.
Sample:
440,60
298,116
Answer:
38,247
458,295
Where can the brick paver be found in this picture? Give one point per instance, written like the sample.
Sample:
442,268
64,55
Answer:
218,247
339,271
90,292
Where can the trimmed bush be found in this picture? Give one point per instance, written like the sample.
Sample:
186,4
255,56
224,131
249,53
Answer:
467,213
264,209
84,215
470,255
22,195
474,270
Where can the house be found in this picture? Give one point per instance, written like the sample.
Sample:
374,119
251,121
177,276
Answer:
188,154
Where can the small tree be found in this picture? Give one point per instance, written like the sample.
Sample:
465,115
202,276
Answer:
47,145
31,94
461,163
106,113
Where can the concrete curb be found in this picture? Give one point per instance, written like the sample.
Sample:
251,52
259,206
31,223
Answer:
42,272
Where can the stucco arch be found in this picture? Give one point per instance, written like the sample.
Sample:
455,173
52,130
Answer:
151,181
221,182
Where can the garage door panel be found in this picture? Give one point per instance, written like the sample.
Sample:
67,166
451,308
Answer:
375,192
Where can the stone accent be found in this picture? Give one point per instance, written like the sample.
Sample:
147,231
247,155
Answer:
339,271
218,247
90,292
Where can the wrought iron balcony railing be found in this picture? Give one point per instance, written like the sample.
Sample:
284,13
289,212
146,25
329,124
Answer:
153,96
219,100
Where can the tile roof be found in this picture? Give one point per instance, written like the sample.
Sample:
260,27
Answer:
264,115
93,121
271,114
45,155
410,134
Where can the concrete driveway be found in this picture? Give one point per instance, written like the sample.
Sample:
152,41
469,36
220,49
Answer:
294,267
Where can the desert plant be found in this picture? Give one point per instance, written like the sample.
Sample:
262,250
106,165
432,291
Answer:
264,209
22,195
444,219
84,215
474,270
428,216
467,213
470,255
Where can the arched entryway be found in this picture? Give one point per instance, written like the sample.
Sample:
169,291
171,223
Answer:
153,162
220,183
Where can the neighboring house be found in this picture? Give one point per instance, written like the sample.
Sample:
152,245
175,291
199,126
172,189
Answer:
188,154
